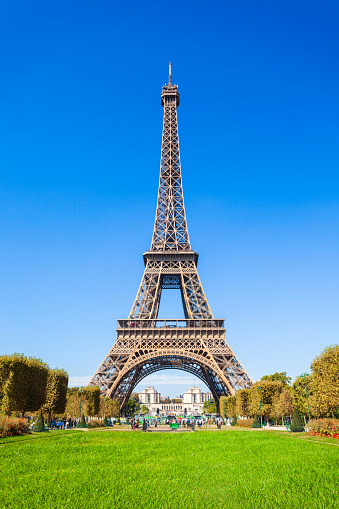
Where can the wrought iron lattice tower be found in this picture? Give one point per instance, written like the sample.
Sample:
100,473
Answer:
145,344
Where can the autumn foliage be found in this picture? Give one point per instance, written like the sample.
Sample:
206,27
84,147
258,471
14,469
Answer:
28,384
10,426
323,428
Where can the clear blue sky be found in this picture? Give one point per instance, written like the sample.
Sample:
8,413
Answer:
80,131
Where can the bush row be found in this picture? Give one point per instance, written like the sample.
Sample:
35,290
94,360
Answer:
323,428
10,426
245,423
95,424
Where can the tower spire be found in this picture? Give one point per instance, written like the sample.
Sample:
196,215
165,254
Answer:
170,74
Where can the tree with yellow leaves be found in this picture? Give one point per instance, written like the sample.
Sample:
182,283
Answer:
325,373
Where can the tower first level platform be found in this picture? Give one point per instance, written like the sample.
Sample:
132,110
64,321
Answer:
143,347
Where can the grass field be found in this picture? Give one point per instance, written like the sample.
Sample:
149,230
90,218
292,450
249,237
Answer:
214,469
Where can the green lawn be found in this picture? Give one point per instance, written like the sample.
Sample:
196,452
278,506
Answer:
214,469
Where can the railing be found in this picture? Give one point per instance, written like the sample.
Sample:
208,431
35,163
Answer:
171,324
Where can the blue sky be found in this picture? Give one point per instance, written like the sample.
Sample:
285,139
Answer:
80,131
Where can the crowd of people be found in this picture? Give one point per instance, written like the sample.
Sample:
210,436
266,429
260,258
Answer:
69,423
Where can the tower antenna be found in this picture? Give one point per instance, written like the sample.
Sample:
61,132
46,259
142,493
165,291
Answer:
170,73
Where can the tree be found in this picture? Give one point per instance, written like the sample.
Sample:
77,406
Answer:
210,407
278,377
144,409
296,424
82,423
116,409
227,405
56,392
264,392
243,399
133,407
256,422
23,383
283,405
325,374
299,395
73,402
92,398
109,407
39,425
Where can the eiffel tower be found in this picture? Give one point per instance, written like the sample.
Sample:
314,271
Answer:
145,344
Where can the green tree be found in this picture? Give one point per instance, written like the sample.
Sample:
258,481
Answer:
296,424
256,422
56,392
133,407
325,375
144,409
39,425
210,407
82,423
116,409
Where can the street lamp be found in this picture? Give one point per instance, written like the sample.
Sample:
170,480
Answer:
258,389
304,375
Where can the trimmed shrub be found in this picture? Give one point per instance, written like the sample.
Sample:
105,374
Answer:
234,420
245,423
296,424
92,397
323,428
10,427
56,392
96,424
82,423
39,425
256,422
243,402
22,383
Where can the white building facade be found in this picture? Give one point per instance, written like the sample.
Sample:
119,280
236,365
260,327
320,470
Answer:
192,402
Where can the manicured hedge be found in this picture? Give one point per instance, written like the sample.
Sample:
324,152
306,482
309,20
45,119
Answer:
323,428
245,423
96,424
9,426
